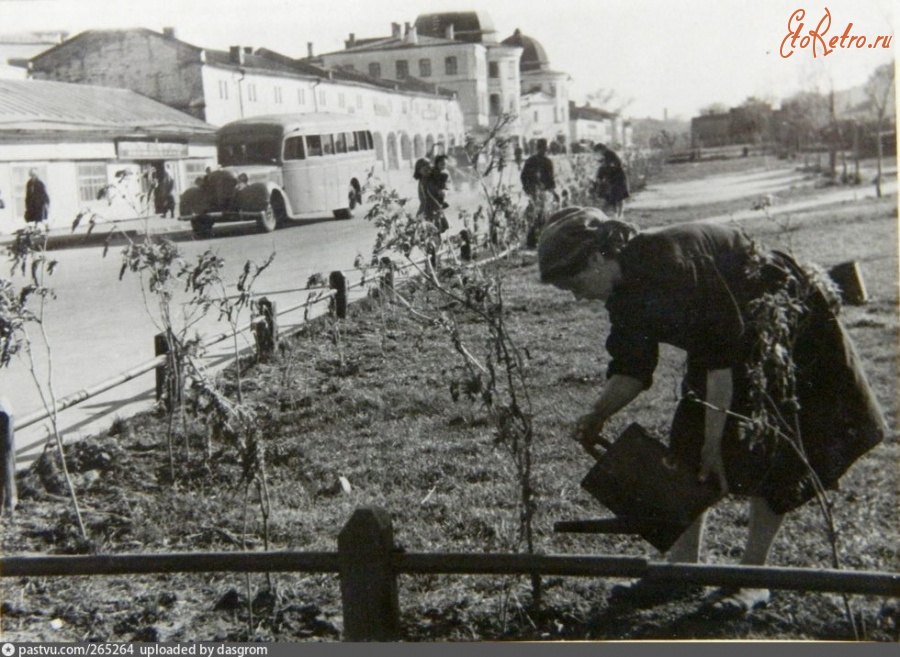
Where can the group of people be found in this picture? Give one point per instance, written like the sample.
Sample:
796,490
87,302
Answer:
37,200
537,174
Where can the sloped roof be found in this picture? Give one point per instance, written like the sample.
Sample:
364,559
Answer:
388,43
41,105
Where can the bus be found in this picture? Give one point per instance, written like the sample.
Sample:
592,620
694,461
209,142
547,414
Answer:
279,167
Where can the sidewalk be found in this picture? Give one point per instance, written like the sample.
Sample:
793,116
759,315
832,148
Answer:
84,235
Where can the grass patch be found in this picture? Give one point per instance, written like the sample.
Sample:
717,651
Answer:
389,427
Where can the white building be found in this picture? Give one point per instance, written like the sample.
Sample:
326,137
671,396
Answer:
407,117
457,51
592,125
78,137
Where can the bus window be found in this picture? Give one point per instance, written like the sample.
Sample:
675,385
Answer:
370,143
340,143
328,144
293,149
314,145
352,145
361,138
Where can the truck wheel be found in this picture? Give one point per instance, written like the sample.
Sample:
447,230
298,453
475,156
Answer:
202,228
269,221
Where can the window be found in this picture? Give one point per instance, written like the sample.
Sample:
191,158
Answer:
450,66
194,169
91,178
402,69
19,179
425,68
493,70
405,107
536,116
352,142
359,102
251,92
496,106
223,89
278,95
301,96
293,149
327,144
513,69
340,143
322,98
364,139
314,145
375,70
341,100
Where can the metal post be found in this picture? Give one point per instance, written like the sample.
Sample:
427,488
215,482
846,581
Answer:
368,581
338,283
8,458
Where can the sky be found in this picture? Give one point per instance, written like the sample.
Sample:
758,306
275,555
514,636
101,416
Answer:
660,58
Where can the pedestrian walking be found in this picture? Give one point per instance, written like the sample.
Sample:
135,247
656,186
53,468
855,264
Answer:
538,182
37,201
164,194
703,288
611,183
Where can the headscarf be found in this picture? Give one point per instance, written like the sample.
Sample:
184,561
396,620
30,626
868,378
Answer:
573,234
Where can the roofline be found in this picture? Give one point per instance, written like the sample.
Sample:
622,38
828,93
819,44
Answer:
115,31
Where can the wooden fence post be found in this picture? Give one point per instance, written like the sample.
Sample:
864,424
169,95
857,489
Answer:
266,330
160,348
387,274
338,283
465,250
848,277
368,581
9,490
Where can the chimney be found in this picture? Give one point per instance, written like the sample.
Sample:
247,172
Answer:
412,35
450,32
236,55
309,49
349,43
395,30
169,32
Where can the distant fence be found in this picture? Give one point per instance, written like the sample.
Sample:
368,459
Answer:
369,562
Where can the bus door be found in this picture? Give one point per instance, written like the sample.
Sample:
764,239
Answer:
294,172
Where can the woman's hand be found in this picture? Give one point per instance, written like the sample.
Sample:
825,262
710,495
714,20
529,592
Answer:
588,428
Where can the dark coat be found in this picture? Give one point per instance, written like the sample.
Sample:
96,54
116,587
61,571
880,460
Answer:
37,201
612,183
693,287
537,174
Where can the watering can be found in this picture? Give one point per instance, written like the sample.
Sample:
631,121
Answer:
651,493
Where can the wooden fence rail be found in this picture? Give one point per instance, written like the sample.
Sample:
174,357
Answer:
369,563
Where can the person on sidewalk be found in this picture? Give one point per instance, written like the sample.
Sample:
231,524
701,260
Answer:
611,183
37,201
165,194
705,288
538,182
